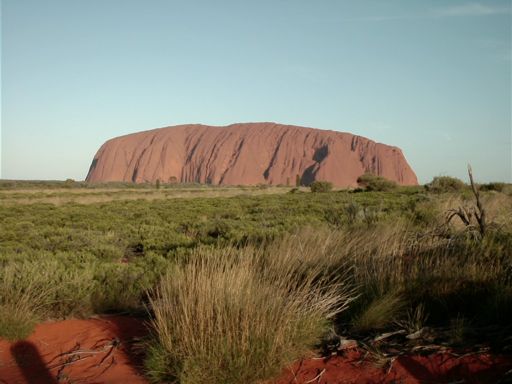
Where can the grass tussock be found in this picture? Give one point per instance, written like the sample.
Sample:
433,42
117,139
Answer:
21,306
406,279
32,291
238,317
379,313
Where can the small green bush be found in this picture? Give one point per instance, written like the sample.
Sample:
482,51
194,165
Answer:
352,211
334,216
371,182
69,183
442,184
321,186
370,216
495,186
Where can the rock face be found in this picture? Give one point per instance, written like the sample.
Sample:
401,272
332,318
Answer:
249,153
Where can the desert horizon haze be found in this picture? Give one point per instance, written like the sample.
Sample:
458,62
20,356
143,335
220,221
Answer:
430,77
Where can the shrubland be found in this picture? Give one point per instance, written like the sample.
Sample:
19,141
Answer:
258,280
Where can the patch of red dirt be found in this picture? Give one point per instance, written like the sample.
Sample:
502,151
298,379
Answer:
415,369
101,350
98,350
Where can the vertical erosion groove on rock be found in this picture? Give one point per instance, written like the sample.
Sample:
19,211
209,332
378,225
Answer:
248,153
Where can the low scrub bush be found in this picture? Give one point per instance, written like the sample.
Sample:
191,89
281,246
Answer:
444,184
370,216
352,210
321,186
372,182
496,186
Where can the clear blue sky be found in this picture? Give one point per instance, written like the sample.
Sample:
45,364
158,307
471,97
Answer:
432,77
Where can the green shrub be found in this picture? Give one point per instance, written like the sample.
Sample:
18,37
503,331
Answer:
334,216
352,210
495,186
69,183
321,186
372,182
426,214
370,216
442,184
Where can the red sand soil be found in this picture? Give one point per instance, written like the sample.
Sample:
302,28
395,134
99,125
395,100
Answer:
435,368
98,350
104,350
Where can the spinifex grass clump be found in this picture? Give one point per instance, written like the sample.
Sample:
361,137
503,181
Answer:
21,305
32,291
396,271
232,316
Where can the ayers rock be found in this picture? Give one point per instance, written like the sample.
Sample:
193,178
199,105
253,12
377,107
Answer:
245,154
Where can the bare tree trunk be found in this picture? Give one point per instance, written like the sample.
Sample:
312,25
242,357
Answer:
480,211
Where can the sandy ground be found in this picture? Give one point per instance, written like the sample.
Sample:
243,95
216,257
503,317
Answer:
107,350
435,368
99,350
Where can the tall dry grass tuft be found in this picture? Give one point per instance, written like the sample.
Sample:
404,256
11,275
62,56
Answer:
21,306
238,316
396,269
380,312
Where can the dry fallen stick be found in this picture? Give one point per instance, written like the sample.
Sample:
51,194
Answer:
295,374
112,362
107,355
77,355
76,351
67,361
388,335
391,361
317,377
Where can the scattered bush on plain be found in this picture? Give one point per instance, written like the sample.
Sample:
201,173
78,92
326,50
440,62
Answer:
371,182
445,184
320,186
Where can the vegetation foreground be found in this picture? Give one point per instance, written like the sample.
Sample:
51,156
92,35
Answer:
237,287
